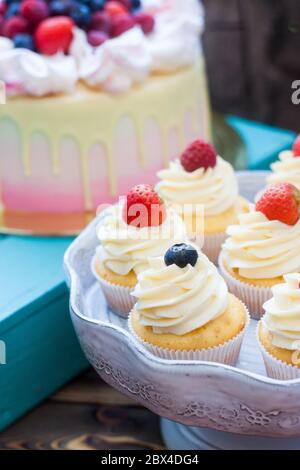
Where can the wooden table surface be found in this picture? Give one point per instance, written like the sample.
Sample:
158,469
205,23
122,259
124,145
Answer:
86,414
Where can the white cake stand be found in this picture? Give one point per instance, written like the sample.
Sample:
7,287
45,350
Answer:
203,405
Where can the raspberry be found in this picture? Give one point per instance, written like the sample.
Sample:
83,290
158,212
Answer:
121,24
34,11
145,21
199,154
100,22
143,207
114,8
280,202
14,25
96,38
296,147
54,35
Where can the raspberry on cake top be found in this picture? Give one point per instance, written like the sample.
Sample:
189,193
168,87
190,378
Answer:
47,47
287,169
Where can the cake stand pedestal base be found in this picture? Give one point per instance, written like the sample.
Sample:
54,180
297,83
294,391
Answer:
180,437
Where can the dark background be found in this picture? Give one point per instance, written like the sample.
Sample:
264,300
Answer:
252,50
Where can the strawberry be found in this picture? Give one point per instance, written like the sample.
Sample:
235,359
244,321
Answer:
143,207
281,202
199,154
114,8
296,147
54,34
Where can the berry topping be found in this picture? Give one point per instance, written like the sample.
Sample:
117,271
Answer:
54,35
60,7
81,14
24,41
96,5
115,8
34,11
100,22
96,38
182,255
13,26
199,154
143,207
13,9
281,202
121,23
296,147
145,21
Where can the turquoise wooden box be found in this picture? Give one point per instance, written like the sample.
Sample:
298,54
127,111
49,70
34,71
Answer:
42,352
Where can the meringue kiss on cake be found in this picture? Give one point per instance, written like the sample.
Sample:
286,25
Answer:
287,168
89,86
204,181
184,310
279,330
137,228
263,247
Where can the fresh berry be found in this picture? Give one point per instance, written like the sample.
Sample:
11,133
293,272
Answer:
143,207
97,5
54,34
81,14
296,147
13,9
34,11
145,21
120,24
2,7
24,41
13,26
182,255
136,4
100,22
97,38
281,202
199,154
114,8
60,7
126,3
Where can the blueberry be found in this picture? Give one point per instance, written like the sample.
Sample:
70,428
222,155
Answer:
181,255
81,14
23,41
136,4
97,5
12,10
60,7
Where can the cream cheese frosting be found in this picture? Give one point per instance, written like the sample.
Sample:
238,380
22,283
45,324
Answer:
262,249
282,316
180,300
215,188
125,248
115,66
286,170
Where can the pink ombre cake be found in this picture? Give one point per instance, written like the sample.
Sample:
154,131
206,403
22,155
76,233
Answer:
81,128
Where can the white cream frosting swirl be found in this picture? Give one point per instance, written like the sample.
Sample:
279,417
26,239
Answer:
116,65
282,316
262,249
286,170
175,300
215,188
125,248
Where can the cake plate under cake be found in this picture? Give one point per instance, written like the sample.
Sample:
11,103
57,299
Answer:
203,405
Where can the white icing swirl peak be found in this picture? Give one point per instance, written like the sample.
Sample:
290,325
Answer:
282,316
260,248
286,170
125,248
180,300
215,188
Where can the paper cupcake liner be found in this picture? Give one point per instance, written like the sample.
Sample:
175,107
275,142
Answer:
277,369
226,353
119,298
253,296
212,245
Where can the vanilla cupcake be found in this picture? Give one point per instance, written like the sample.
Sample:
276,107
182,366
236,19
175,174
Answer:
184,310
263,247
287,169
279,330
204,189
137,228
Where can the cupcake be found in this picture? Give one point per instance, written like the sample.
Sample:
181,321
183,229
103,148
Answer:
287,169
263,247
184,310
203,187
137,228
279,330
